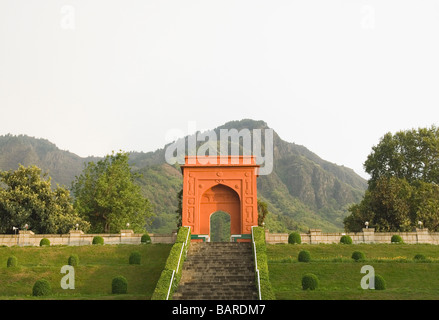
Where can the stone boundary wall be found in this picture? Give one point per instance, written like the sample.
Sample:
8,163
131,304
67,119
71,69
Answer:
315,236
79,238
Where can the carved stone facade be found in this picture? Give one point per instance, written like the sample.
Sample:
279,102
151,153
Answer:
228,185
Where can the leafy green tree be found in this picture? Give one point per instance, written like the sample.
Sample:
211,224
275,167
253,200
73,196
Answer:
262,212
391,202
403,188
425,204
412,155
27,197
220,227
360,213
107,196
179,210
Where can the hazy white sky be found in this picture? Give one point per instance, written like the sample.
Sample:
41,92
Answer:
335,76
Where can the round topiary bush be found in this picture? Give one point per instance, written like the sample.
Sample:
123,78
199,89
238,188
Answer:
73,260
135,257
44,242
294,238
358,256
145,239
380,284
98,240
119,285
345,239
41,288
12,262
304,256
419,257
310,282
396,238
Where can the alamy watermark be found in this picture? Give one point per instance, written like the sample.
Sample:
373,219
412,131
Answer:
367,17
368,281
68,17
215,150
68,281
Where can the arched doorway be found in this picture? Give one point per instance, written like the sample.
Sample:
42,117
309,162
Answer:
220,227
224,199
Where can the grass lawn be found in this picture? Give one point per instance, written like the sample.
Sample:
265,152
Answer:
340,276
98,264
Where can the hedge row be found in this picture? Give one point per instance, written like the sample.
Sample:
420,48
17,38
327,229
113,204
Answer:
162,287
261,256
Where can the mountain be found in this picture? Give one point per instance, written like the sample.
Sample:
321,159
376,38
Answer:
303,191
61,165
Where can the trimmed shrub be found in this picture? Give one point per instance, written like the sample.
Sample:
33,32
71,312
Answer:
135,257
98,240
44,242
345,239
145,239
358,256
396,238
183,234
161,289
419,257
304,256
12,262
119,285
73,260
294,238
41,288
259,234
310,282
380,283
267,292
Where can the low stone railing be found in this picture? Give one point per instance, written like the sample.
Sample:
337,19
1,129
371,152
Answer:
368,235
79,238
314,236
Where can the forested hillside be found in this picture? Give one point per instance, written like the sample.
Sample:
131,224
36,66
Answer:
303,191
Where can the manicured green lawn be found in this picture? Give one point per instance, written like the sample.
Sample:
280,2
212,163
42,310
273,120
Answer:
98,264
340,276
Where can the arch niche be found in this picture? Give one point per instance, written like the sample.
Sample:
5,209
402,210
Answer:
228,185
220,198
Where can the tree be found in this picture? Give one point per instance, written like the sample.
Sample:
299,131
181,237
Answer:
425,204
412,155
107,196
403,188
220,227
391,203
179,210
26,197
262,212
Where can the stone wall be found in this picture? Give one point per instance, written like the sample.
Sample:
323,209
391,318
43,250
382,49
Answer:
368,235
314,236
78,238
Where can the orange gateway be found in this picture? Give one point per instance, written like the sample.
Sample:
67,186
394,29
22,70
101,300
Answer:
229,186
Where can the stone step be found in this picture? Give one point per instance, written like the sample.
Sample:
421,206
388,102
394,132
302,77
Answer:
218,271
240,265
191,288
202,296
218,278
218,284
210,274
243,291
220,257
230,254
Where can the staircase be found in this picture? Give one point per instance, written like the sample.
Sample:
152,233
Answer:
218,271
